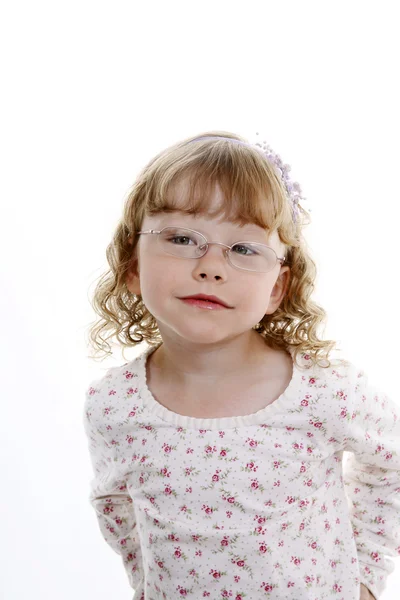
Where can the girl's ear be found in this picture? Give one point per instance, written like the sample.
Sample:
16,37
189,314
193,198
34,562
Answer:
133,278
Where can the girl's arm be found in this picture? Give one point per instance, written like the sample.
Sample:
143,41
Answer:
108,495
372,479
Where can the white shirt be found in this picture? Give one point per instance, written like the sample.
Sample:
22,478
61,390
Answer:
253,507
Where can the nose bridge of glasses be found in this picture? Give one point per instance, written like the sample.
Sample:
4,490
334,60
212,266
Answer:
204,247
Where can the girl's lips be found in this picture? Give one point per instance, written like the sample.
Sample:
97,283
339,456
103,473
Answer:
203,304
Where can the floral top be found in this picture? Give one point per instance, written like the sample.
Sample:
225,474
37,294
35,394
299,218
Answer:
249,507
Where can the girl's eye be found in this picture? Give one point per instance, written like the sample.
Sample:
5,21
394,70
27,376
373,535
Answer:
243,249
180,238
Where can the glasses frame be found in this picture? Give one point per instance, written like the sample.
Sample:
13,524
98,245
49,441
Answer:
207,244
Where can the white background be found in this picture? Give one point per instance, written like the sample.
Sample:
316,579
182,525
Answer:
90,92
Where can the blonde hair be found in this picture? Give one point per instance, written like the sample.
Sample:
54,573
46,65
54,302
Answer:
253,192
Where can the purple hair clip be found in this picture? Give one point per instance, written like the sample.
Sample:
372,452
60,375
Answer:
293,190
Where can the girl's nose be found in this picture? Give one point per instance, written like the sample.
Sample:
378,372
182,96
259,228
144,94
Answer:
213,264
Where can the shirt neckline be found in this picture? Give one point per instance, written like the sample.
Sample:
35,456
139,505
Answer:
287,398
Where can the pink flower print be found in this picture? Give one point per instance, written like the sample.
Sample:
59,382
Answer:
179,429
182,591
267,587
313,545
301,526
297,446
327,526
277,483
280,543
343,413
108,509
229,513
222,453
254,484
252,443
290,499
304,403
202,431
225,541
221,434
319,424
152,500
231,500
168,490
129,439
309,434
295,560
337,588
388,455
262,548
215,574
375,556
288,428
251,466
380,502
311,380
189,451
112,393
165,473
333,564
207,509
160,564
290,584
107,410
199,553
189,490
240,563
173,537
128,375
302,469
215,477
123,542
132,390
132,413
184,508
177,552
276,464
167,448
308,483
260,519
309,450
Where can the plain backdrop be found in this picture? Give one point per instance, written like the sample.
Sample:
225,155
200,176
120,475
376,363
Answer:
90,92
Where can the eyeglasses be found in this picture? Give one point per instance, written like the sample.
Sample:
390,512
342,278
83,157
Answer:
187,243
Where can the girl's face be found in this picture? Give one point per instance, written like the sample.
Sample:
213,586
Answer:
164,279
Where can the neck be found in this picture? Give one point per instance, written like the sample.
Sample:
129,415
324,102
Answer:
190,364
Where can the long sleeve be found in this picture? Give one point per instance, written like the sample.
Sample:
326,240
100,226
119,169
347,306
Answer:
108,492
372,479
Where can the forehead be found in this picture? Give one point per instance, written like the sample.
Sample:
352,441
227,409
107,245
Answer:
219,215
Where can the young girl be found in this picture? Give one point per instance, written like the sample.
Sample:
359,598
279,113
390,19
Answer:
217,452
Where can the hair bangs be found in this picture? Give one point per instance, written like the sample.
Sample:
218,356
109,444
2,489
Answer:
186,179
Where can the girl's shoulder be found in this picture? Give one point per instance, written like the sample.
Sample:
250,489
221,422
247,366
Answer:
116,379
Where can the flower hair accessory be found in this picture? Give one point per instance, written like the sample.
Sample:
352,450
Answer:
292,188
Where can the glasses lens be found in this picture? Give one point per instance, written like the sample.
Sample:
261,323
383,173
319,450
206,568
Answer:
181,242
253,257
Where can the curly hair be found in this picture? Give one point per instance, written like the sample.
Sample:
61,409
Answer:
253,193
